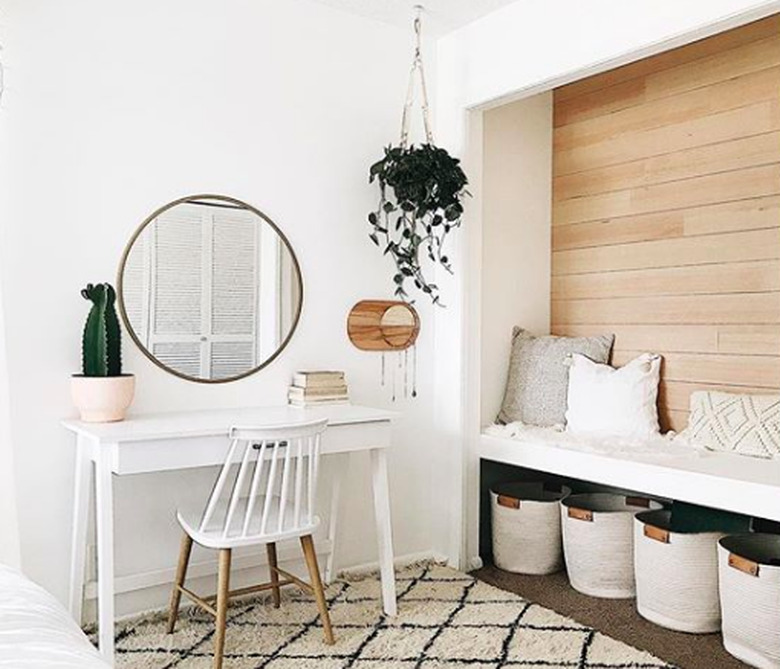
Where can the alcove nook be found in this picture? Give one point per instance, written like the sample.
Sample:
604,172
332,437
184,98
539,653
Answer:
643,201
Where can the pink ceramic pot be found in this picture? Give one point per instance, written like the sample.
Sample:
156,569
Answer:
102,399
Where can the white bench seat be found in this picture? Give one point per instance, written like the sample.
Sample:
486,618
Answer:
719,480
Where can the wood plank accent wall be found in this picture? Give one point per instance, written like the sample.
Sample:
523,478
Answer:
666,213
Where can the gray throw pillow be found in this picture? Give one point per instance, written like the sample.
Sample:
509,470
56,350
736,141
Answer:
539,375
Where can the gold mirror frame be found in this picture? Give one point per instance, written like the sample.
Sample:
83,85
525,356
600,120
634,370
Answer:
120,286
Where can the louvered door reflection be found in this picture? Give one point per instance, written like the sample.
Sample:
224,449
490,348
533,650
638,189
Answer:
204,277
179,289
210,288
233,305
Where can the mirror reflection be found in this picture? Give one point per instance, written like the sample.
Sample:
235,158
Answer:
210,289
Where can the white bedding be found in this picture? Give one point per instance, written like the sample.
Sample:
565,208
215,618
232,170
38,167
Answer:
670,444
37,632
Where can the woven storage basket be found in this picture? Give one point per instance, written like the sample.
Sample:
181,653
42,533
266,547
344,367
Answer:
598,542
676,575
749,566
527,527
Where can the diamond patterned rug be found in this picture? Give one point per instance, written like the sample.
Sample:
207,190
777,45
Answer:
445,619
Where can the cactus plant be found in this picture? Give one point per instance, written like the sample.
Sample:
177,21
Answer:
102,343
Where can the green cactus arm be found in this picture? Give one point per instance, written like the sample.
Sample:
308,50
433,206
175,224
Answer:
113,335
94,340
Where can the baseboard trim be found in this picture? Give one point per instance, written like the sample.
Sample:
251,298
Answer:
155,578
205,568
400,562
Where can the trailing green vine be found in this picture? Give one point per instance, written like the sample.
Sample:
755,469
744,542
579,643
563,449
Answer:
421,193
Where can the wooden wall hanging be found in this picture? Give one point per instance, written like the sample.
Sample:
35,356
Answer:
383,325
387,326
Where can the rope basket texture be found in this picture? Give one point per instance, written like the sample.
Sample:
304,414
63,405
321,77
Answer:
676,575
598,542
749,567
527,527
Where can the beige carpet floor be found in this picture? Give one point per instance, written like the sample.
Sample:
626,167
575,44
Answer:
446,619
617,618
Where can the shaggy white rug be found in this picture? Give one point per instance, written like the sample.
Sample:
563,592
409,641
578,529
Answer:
445,619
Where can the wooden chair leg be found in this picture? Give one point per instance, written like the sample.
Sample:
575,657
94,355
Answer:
181,574
272,565
222,602
307,543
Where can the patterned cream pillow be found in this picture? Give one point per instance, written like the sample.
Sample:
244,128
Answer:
742,424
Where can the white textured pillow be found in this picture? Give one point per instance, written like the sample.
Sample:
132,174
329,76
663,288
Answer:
743,424
620,402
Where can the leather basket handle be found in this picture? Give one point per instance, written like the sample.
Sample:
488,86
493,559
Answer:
657,534
580,514
508,502
743,564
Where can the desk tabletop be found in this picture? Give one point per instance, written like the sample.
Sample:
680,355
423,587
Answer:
215,422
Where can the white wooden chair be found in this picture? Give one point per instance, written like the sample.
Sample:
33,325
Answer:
270,477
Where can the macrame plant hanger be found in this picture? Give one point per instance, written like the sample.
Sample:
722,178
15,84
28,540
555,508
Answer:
417,70
366,324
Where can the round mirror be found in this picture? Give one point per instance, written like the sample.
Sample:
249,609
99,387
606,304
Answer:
210,289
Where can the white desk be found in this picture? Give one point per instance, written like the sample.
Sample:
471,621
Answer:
170,441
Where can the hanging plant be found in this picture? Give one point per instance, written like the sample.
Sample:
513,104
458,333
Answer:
424,206
421,189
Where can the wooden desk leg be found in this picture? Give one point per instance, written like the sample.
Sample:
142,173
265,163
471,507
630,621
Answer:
78,546
104,502
384,528
335,502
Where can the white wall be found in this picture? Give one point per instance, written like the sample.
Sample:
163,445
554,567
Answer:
114,109
532,41
9,527
516,235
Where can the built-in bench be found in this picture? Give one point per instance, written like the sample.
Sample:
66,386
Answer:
735,483
719,480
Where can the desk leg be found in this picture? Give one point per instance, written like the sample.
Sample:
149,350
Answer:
78,546
384,528
335,503
104,498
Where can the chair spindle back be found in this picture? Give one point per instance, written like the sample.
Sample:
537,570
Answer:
270,480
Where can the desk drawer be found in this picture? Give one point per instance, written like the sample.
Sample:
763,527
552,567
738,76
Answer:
204,451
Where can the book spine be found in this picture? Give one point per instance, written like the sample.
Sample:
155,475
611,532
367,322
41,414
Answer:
318,392
318,398
309,381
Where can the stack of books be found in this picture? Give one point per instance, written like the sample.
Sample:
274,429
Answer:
318,388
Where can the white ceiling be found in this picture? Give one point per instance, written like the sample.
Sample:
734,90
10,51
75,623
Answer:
439,16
